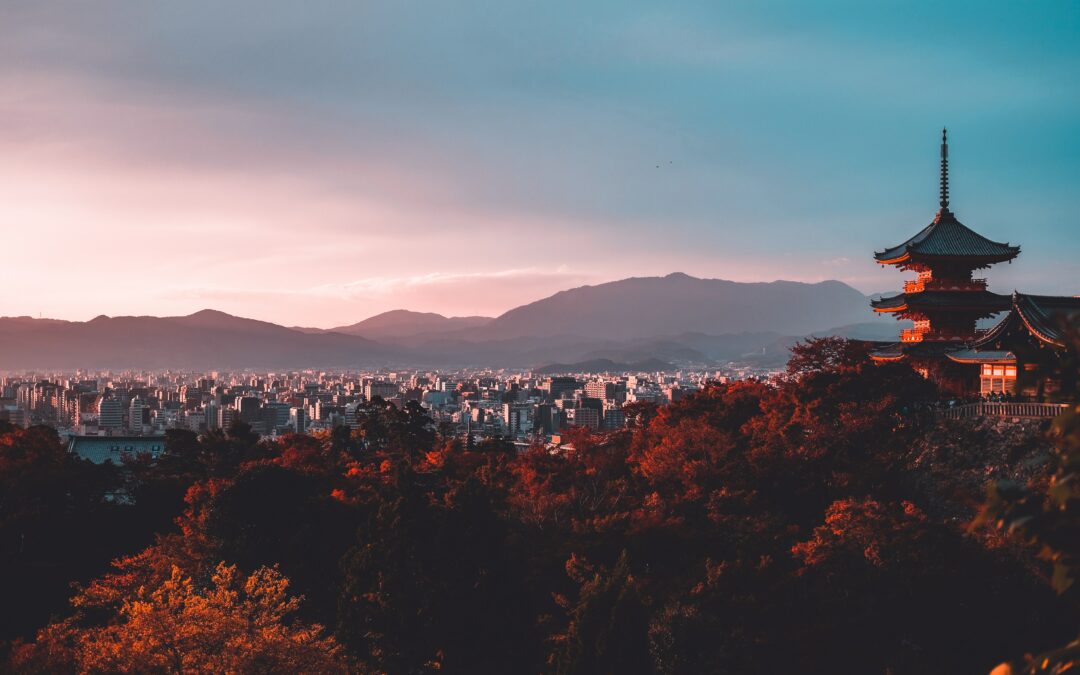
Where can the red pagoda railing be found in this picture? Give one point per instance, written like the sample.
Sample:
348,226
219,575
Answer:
920,285
923,334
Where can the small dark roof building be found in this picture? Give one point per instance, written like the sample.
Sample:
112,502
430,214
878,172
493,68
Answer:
1025,347
101,449
1040,318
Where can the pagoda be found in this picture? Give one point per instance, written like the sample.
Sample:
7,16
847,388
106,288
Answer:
944,300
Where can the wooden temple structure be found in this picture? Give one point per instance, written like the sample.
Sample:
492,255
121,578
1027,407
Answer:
945,301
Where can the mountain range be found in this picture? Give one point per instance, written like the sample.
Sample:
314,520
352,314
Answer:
674,319
403,323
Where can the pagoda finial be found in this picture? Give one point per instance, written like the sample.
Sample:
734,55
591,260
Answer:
944,170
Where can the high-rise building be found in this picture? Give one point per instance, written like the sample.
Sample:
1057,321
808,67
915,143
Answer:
138,416
247,409
110,414
277,414
516,418
556,387
383,390
298,420
225,417
606,391
583,417
614,418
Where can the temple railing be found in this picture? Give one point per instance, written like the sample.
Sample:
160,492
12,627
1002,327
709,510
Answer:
922,334
920,285
1003,409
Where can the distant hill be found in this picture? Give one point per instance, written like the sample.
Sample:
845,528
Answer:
656,306
604,366
888,331
403,323
675,319
204,340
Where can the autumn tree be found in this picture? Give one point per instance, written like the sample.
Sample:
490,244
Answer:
693,446
818,354
232,624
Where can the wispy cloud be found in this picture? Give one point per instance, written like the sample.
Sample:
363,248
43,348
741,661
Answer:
389,285
332,304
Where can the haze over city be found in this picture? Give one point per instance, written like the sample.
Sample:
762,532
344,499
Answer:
319,164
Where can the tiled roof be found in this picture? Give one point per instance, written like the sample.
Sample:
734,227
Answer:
1039,315
899,350
947,236
980,356
893,352
982,300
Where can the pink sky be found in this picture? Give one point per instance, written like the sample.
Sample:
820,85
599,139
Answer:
139,207
316,170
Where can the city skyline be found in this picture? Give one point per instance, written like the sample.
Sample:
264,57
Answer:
318,166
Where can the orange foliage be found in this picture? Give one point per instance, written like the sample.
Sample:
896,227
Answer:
235,624
881,534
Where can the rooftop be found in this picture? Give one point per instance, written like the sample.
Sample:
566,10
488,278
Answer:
1043,316
975,300
947,237
101,449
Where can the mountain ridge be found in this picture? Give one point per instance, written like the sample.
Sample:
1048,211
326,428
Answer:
677,318
406,323
640,307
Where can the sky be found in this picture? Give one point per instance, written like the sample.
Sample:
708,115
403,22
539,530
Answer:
316,163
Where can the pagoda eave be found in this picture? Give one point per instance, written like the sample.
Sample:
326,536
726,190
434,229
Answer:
919,351
972,262
923,261
883,358
982,302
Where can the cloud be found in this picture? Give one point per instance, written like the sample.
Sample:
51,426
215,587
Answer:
389,285
333,304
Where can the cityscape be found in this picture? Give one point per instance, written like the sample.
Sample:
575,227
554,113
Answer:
134,410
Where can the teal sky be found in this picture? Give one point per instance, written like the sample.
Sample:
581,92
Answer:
315,163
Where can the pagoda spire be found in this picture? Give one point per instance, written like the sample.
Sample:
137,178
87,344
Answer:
944,170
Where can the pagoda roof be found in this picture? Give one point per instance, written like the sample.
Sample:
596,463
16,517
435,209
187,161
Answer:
900,350
947,237
1042,316
980,300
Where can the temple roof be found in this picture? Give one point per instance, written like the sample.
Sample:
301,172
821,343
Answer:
1042,316
899,350
979,356
948,237
979,300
